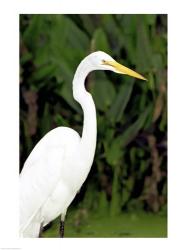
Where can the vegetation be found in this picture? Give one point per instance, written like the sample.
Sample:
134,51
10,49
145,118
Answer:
126,225
129,172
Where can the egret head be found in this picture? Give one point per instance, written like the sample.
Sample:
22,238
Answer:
101,61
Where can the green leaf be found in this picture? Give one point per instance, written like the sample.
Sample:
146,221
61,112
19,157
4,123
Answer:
143,166
116,197
46,121
113,152
150,19
100,41
118,107
46,71
157,62
130,183
103,92
132,155
102,203
151,82
88,23
60,121
27,56
144,53
113,33
133,130
31,34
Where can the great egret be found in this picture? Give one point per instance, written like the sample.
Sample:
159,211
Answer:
60,162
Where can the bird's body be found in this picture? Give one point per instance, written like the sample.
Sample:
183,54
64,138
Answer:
45,184
59,164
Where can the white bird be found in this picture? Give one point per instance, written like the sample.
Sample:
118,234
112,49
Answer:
60,162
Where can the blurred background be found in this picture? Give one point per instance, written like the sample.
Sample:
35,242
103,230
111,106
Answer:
125,194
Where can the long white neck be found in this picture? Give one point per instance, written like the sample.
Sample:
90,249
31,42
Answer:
89,133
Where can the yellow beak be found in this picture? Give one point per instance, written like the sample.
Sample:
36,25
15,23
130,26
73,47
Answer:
119,68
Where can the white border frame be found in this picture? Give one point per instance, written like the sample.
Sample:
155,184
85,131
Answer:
9,129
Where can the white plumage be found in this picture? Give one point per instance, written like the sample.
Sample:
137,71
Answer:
59,164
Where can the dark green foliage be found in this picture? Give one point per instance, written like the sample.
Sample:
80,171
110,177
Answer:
130,165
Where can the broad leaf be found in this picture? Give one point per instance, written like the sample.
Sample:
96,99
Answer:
118,106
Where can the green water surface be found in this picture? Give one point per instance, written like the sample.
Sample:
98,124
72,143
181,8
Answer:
123,225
